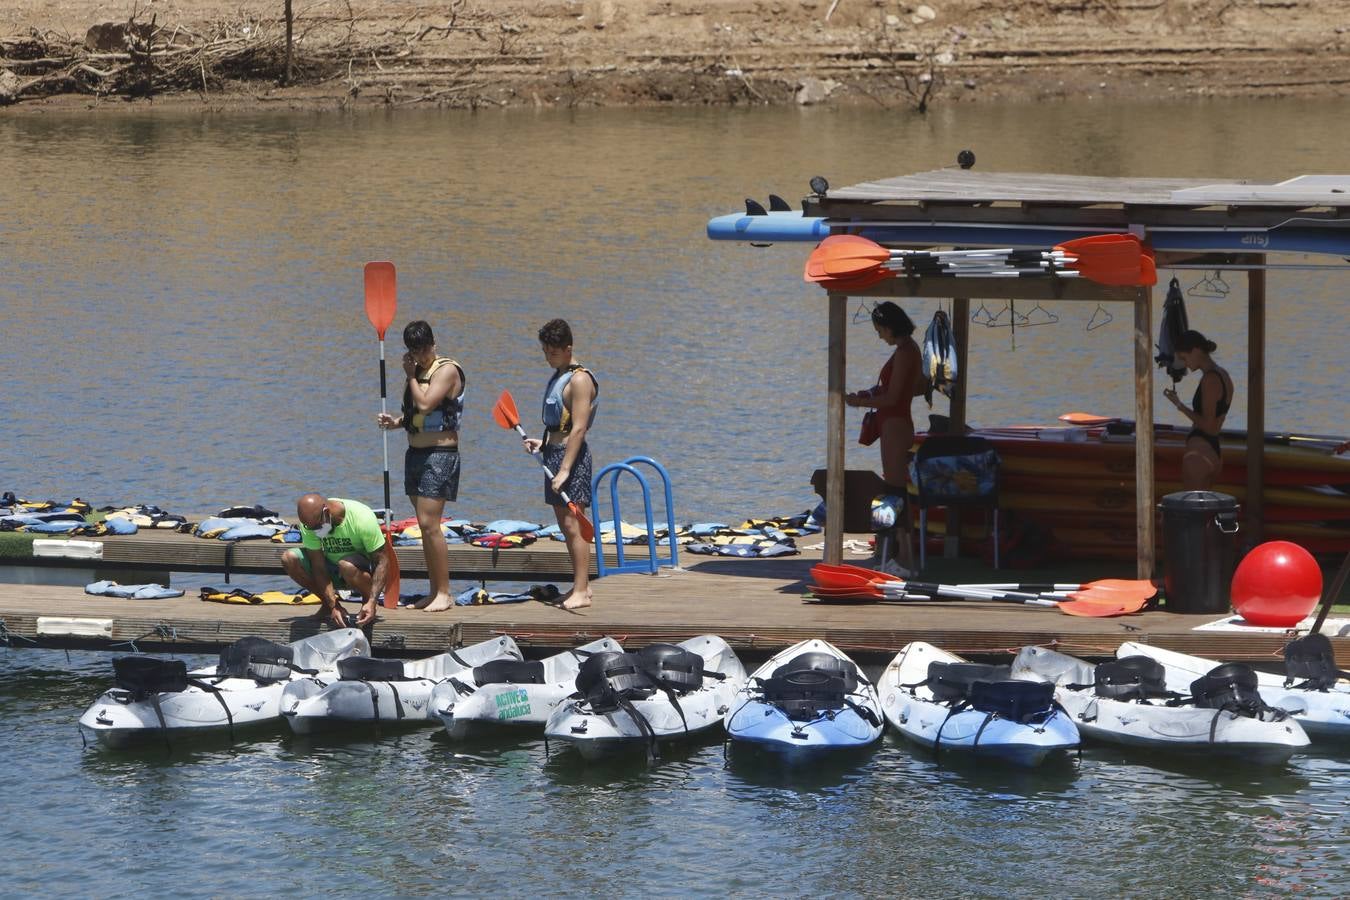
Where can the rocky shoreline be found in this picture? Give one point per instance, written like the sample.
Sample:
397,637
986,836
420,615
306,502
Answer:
586,53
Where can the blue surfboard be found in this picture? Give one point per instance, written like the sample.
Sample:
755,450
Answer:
1331,238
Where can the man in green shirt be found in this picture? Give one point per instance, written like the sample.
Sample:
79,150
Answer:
341,545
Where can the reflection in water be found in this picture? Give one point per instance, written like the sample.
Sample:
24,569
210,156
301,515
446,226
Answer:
196,281
413,812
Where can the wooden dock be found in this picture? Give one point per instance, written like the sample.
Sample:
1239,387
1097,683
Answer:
756,605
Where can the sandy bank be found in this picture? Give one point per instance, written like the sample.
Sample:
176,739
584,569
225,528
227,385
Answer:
474,53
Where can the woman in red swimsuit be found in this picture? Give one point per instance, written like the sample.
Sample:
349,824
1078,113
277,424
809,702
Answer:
900,381
1203,459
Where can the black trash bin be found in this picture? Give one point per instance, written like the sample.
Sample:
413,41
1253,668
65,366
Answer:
1199,550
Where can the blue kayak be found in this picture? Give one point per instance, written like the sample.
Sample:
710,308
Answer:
809,698
1330,238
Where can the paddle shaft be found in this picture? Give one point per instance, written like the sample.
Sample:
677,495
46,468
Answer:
384,433
1333,592
960,593
539,457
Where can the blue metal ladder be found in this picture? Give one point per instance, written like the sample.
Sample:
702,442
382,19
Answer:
653,562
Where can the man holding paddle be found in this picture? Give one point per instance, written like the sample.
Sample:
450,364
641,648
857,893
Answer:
569,408
341,545
433,404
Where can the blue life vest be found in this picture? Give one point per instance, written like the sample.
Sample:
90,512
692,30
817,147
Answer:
446,416
557,417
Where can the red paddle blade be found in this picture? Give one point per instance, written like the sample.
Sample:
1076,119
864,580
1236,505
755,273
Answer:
583,524
505,411
391,582
845,568
381,295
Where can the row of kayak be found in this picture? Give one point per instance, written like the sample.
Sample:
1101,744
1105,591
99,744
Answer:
807,700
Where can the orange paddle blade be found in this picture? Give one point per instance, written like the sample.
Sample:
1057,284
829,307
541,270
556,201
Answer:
583,524
391,582
1100,606
381,295
844,255
505,411
1082,418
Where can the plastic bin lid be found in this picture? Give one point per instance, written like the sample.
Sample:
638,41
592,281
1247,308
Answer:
1199,501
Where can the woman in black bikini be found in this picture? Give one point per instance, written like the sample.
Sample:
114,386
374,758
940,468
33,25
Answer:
1202,460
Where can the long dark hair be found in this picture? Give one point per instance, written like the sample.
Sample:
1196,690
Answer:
891,316
1194,340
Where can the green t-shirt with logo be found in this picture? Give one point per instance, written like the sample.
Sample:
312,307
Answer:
359,532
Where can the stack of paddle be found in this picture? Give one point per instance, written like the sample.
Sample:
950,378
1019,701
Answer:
844,262
843,583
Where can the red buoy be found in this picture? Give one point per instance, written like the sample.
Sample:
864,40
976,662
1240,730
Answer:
1278,585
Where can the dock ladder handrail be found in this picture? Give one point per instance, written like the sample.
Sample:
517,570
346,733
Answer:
653,562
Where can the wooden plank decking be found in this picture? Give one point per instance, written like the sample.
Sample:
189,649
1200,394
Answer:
755,604
167,551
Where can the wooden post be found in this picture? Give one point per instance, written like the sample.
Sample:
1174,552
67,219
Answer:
951,543
1145,540
834,430
960,334
1256,400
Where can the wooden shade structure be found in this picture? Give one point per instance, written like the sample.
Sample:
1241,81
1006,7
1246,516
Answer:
910,211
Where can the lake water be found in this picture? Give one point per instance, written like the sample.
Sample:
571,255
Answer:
184,326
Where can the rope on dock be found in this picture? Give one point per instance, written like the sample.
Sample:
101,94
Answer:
163,630
7,637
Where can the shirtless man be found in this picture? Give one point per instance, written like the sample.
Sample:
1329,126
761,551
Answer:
341,545
433,404
570,402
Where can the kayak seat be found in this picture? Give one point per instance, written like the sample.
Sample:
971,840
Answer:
1312,659
1131,678
803,694
365,668
815,661
950,682
1016,701
255,657
146,675
608,679
672,667
509,671
1231,686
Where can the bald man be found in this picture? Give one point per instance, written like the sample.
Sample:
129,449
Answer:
341,545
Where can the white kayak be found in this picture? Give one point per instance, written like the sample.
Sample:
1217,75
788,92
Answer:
509,692
628,701
159,699
808,699
942,702
387,691
1128,702
1323,714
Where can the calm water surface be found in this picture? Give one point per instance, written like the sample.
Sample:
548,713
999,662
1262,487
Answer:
182,302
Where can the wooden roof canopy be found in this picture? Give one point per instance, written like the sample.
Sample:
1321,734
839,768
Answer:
964,197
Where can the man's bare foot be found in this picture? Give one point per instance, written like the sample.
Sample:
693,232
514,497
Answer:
573,600
439,603
424,602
